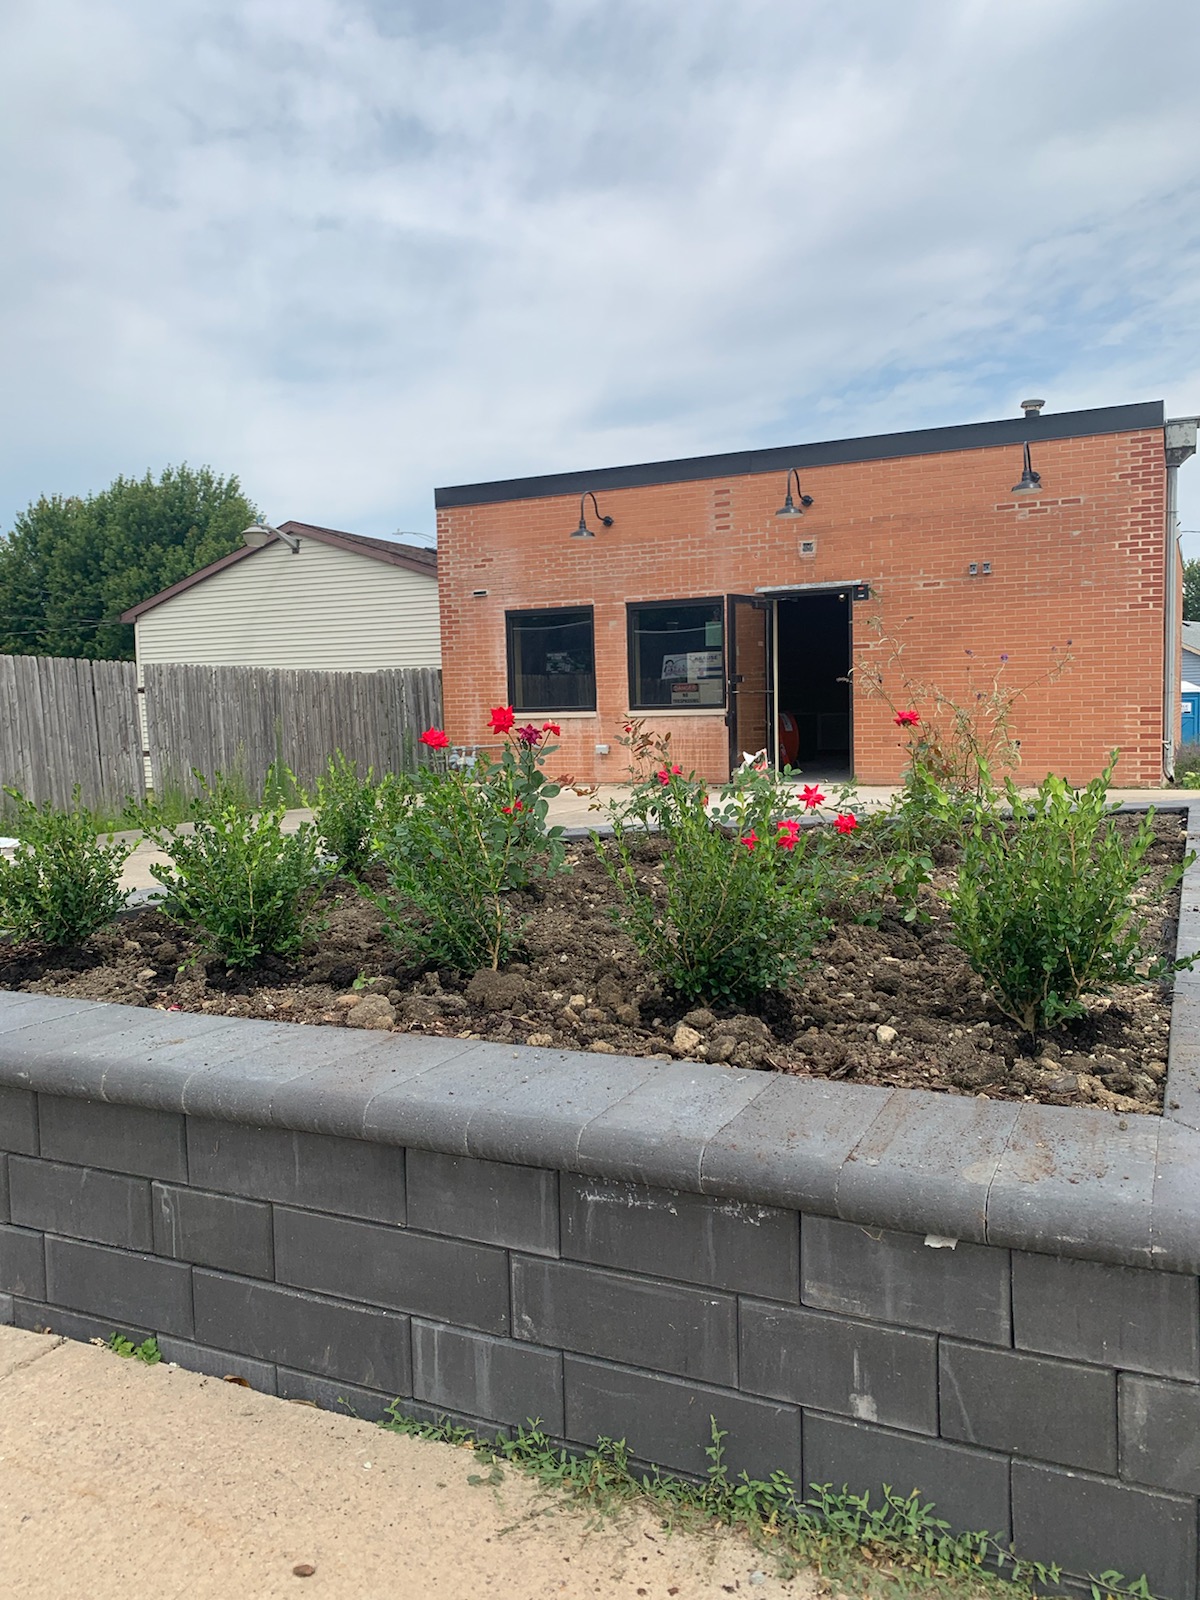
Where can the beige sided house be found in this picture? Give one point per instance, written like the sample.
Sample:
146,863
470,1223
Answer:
338,603
314,599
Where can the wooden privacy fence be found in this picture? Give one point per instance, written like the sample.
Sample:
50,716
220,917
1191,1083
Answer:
65,722
238,720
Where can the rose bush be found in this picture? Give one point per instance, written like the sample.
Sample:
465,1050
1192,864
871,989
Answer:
470,836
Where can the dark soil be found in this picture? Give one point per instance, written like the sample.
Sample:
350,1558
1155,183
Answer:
893,1004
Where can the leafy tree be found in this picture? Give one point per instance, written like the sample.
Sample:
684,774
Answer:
1191,590
70,567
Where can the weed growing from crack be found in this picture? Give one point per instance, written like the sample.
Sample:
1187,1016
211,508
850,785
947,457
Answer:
849,1542
147,1351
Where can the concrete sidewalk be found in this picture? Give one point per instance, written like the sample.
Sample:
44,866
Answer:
120,1481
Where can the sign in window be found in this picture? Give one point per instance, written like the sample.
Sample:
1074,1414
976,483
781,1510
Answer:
676,654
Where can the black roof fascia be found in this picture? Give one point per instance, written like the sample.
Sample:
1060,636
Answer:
833,452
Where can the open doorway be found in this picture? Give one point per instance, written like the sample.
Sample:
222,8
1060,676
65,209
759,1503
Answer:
812,659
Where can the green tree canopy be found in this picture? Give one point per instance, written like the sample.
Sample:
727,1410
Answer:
70,567
1191,591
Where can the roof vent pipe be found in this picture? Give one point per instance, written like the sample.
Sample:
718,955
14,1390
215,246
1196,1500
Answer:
1032,408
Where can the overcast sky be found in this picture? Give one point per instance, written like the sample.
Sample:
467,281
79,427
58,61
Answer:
351,249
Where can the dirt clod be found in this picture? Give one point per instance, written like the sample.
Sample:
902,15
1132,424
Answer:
372,1011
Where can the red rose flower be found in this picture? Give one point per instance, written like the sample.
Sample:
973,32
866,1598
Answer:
750,840
845,822
811,796
663,776
786,841
907,719
435,738
552,727
502,719
509,810
676,770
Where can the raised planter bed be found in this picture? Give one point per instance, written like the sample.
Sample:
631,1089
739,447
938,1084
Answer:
892,1005
995,1302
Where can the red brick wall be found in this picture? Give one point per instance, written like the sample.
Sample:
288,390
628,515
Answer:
1082,562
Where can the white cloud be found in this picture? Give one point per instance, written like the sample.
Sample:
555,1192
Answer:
352,250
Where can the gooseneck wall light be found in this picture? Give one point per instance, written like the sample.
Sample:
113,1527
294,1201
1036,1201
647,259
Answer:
1031,481
259,534
789,508
583,531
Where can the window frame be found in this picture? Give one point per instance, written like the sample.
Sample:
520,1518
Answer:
717,602
511,616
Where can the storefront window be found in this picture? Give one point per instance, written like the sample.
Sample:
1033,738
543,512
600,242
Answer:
551,660
676,655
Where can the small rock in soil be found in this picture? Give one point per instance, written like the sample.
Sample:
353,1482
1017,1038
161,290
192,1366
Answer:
886,1035
685,1038
497,991
540,1038
1059,1082
372,1011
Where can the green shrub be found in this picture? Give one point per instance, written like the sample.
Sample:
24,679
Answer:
1044,908
237,882
62,883
462,841
349,812
737,909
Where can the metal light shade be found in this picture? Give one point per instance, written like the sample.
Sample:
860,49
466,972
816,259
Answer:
789,508
1031,481
583,531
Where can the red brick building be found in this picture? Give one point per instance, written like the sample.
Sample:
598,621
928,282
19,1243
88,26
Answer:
708,607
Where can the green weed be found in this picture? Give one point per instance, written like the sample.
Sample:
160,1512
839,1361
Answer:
147,1351
849,1541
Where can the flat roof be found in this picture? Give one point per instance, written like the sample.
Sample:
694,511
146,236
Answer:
830,452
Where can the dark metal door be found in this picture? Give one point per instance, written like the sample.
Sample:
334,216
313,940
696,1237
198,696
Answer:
750,685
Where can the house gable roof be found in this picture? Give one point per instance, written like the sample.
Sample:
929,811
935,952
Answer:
392,552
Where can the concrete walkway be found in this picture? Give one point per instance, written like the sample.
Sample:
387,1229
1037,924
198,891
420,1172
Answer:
120,1481
586,811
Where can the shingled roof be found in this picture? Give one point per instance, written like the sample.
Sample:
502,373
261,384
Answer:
393,552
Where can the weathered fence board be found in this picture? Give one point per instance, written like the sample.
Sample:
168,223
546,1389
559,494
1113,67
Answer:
65,722
238,720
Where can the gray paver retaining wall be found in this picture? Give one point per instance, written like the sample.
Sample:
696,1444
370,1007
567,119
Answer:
995,1303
